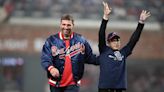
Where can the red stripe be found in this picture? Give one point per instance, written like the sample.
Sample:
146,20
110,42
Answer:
74,52
51,84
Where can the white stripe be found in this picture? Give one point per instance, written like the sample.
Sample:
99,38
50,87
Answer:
79,82
51,81
72,35
60,35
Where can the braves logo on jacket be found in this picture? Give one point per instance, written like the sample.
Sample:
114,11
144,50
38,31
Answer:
72,50
117,56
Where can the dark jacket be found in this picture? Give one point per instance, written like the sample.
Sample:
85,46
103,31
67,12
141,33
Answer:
78,59
113,70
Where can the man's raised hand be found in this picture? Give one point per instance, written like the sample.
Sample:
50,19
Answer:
107,10
144,15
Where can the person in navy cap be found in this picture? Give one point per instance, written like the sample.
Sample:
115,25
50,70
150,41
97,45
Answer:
112,59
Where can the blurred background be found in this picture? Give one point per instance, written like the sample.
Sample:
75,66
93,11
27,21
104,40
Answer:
25,25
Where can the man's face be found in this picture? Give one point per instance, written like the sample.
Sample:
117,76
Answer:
115,44
66,27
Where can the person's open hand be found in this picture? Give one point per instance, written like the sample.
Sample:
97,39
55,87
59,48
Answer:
107,10
144,15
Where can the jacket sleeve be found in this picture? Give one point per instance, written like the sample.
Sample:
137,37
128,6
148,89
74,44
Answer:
46,56
134,38
102,41
90,58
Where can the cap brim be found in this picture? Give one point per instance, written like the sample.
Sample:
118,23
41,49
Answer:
115,37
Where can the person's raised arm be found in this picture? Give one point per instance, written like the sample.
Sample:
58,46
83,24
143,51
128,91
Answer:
107,11
136,35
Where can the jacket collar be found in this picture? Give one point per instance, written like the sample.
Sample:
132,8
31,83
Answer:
61,36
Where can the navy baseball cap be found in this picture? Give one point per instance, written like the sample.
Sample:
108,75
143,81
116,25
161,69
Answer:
113,35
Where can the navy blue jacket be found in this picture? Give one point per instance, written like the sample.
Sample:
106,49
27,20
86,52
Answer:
113,70
48,58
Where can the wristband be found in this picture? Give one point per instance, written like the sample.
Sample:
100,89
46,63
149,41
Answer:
50,67
141,21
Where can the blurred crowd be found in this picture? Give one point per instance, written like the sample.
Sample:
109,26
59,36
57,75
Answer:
89,9
11,74
146,80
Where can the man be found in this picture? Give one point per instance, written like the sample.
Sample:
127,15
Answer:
113,58
63,57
